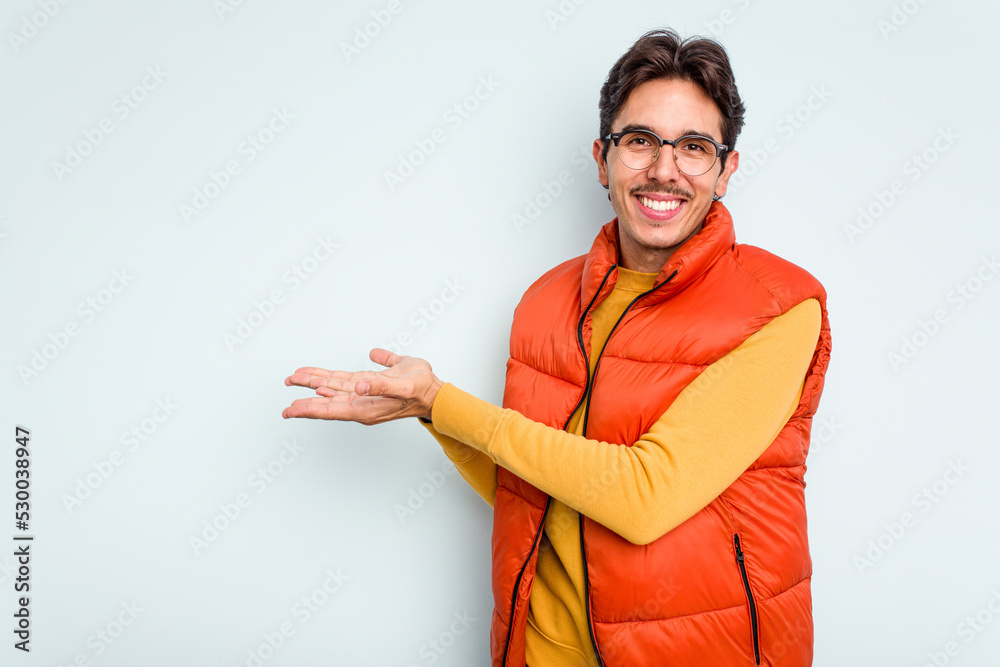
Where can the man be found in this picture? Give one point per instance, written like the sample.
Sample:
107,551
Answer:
646,470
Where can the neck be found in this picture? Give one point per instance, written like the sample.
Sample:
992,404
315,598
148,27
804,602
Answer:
647,259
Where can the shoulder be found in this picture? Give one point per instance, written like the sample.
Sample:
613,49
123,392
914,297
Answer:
548,304
787,282
558,278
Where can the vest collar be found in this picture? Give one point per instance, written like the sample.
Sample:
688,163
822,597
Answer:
689,261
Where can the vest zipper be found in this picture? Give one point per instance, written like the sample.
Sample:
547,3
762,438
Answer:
586,597
750,598
591,378
583,348
517,583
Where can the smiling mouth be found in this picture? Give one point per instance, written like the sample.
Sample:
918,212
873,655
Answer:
659,205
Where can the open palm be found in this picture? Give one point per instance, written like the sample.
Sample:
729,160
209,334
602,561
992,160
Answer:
406,388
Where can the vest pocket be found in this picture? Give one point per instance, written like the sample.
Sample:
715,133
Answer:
750,599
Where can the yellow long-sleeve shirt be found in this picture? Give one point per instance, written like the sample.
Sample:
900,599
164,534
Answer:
717,427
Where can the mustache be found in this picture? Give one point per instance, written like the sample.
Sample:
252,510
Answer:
668,190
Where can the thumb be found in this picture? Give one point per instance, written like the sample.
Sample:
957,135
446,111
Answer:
384,357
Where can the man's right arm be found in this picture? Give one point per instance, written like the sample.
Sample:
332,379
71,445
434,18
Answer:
715,429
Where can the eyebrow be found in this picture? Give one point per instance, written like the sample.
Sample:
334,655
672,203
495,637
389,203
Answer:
632,127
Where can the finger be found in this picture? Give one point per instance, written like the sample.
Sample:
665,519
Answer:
363,410
314,382
310,371
343,380
384,357
335,394
304,375
314,408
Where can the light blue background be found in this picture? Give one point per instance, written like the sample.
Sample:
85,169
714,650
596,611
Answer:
890,430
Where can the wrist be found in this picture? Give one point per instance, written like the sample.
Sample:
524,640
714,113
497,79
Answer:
430,397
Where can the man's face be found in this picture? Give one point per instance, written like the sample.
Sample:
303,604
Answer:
670,108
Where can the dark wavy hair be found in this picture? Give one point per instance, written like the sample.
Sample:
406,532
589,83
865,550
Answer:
661,54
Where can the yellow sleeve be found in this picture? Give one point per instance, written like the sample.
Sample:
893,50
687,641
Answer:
718,425
477,468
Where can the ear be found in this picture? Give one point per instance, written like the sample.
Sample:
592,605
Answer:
602,164
732,164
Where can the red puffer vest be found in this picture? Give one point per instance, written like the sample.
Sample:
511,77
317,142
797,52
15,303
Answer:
730,586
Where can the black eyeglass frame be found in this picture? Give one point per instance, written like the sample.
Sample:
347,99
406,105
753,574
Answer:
720,149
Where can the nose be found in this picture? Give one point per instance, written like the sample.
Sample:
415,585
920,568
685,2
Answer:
664,168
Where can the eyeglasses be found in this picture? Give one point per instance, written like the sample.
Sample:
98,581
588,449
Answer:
693,153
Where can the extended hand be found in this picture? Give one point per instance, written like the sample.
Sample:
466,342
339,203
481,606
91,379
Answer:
406,388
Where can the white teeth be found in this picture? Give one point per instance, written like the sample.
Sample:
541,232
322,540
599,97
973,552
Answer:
658,205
